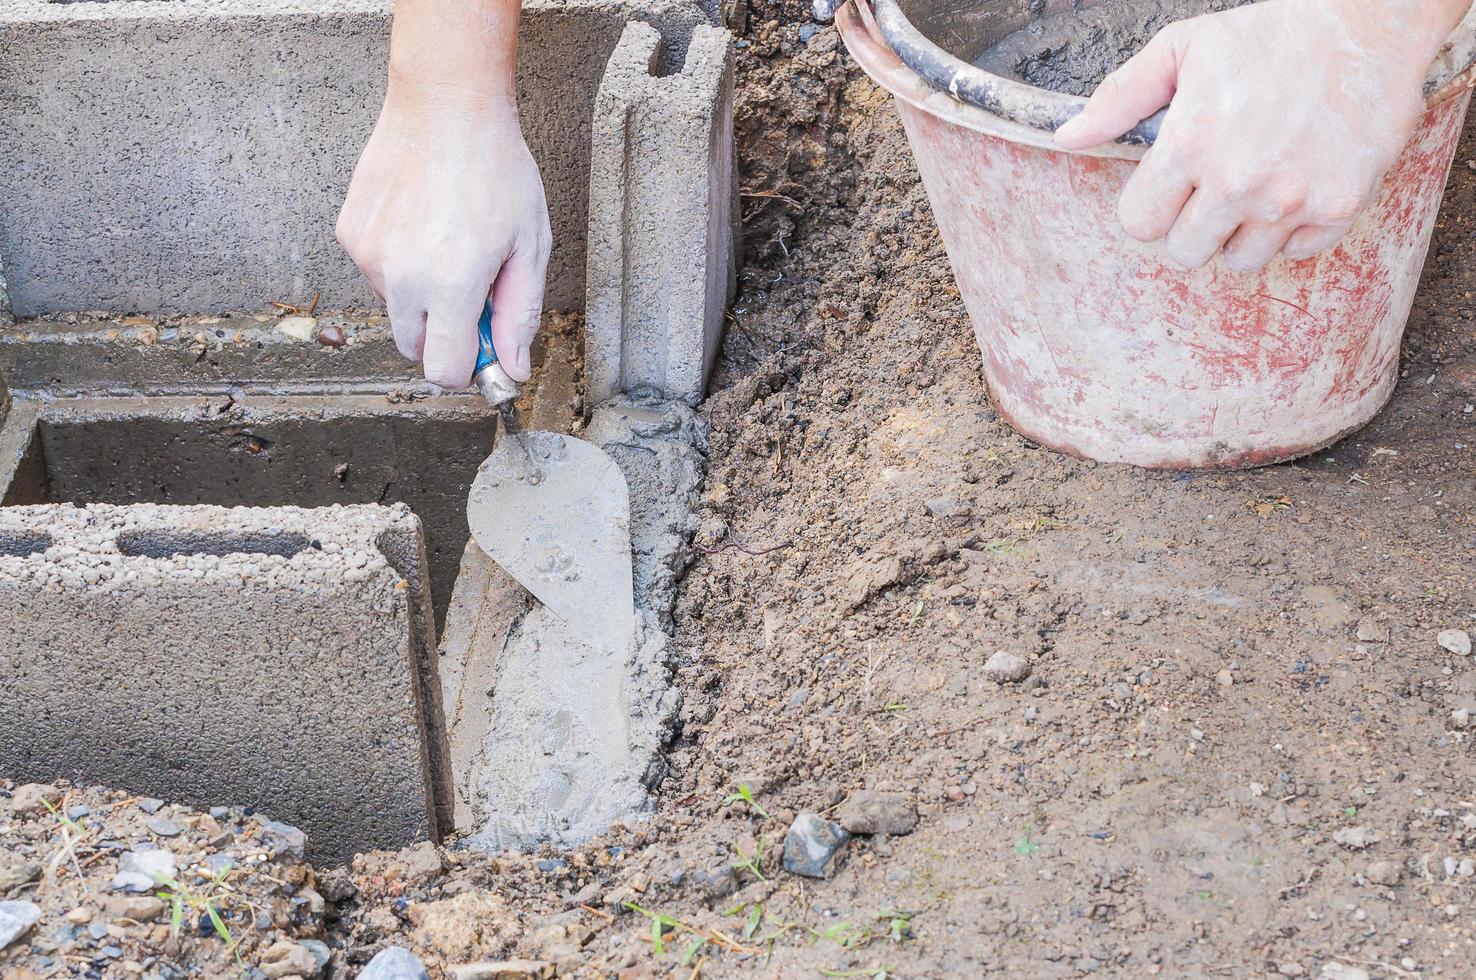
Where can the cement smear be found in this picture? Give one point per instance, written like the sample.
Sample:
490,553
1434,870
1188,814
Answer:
1071,51
554,740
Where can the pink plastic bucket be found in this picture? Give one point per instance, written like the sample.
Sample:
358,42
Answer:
1099,346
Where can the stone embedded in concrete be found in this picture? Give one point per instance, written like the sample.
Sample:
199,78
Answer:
551,739
663,217
273,657
192,155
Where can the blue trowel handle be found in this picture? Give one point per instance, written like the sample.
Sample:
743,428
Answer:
488,376
486,352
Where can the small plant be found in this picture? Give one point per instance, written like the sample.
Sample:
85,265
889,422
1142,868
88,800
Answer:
843,934
1025,846
181,897
750,863
65,820
754,920
661,924
746,795
870,972
899,924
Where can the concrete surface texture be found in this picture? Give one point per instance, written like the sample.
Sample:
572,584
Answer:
262,450
191,155
663,217
551,739
273,657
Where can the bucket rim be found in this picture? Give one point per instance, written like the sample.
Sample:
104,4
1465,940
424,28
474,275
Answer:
1044,110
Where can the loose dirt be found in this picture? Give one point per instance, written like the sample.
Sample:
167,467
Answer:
1238,751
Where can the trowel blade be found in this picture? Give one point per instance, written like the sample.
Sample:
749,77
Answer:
554,512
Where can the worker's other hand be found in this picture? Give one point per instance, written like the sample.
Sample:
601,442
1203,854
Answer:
1285,115
446,204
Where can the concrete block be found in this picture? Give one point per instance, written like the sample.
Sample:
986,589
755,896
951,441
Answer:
663,217
192,155
266,450
273,657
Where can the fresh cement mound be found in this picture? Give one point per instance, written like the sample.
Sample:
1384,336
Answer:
1071,51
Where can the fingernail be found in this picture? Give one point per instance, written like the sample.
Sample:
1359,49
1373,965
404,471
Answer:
523,361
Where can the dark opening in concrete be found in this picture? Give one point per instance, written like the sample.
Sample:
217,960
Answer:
303,450
20,544
167,544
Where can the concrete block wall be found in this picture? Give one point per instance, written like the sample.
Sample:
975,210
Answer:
663,217
191,155
279,658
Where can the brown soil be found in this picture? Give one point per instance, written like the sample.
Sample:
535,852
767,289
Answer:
1237,703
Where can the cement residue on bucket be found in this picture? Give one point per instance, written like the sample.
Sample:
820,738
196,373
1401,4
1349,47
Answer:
1071,51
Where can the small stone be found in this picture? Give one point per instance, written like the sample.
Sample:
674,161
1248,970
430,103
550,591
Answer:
806,32
81,915
15,919
503,970
1290,969
294,839
16,870
945,505
1370,630
550,865
336,885
143,870
811,845
33,797
1384,873
162,826
421,861
1338,971
871,812
1457,642
1461,717
283,958
97,929
77,811
1355,838
321,953
150,805
1006,668
142,908
332,336
394,963
1224,678
297,327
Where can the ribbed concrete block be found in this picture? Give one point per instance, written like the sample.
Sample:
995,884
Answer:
278,658
192,155
663,217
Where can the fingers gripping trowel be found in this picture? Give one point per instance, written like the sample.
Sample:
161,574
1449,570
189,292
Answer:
554,512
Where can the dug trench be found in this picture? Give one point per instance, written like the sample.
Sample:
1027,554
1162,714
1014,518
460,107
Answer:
1238,749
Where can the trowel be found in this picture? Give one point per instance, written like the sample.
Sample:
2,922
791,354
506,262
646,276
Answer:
554,512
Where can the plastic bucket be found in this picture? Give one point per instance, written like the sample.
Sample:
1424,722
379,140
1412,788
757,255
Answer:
1098,345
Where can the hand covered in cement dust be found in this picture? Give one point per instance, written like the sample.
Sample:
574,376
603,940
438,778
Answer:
445,205
1285,115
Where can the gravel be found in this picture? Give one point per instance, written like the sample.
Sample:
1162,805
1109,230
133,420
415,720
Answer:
871,812
812,845
1456,641
1006,668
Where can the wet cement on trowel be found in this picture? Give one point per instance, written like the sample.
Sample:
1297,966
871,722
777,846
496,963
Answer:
553,740
1071,51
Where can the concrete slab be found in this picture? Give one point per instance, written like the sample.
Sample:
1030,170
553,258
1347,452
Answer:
551,739
663,217
279,658
191,155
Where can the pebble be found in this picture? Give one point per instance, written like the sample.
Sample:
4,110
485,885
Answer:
77,811
1457,642
806,32
297,327
873,812
812,844
394,963
1384,873
1006,668
283,958
1339,971
162,826
150,805
503,970
1355,838
33,797
295,839
1461,717
332,336
15,919
16,871
1290,969
1224,678
141,870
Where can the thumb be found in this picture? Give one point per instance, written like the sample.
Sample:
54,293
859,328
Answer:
517,303
1132,93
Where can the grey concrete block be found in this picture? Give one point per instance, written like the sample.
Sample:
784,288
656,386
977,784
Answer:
663,217
273,657
192,155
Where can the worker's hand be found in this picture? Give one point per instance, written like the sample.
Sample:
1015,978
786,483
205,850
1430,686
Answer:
445,205
1285,115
